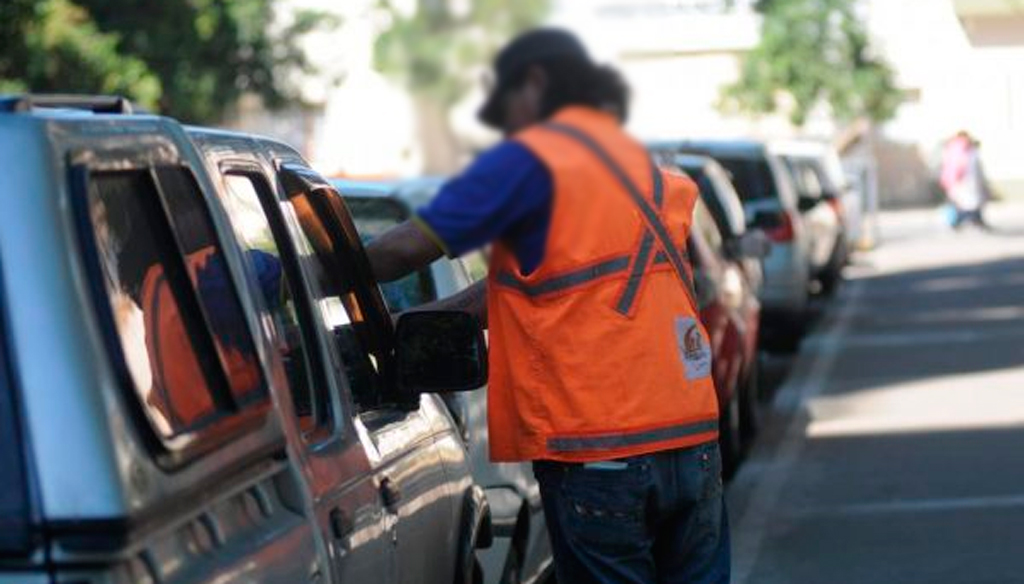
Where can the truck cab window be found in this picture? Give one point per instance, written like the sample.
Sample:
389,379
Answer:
349,303
252,226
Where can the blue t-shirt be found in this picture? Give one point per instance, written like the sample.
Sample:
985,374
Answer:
504,195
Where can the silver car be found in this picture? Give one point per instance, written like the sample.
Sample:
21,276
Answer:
521,551
199,381
831,208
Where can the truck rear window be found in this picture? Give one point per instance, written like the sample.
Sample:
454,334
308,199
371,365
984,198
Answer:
180,325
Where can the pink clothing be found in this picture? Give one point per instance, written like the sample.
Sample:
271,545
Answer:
956,157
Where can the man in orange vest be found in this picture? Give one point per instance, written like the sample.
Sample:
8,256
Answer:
600,368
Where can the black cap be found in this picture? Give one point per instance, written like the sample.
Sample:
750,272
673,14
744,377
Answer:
531,47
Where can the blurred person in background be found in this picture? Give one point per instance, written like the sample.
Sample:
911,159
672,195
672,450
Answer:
964,181
600,371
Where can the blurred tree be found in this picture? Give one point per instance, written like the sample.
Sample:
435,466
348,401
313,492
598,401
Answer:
208,52
190,59
813,51
435,48
54,46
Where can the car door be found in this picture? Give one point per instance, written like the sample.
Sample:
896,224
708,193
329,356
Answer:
410,442
331,446
717,304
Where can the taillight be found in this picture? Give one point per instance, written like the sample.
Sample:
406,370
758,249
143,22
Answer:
837,206
784,231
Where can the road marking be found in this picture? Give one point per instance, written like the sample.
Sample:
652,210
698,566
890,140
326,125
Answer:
926,337
922,505
793,395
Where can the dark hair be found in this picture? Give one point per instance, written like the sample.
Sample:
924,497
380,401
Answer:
571,82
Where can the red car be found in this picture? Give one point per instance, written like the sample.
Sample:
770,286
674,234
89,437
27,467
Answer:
727,278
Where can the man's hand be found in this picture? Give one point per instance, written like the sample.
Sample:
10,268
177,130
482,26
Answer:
401,251
472,300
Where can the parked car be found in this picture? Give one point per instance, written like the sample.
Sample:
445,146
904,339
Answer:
733,268
830,206
730,312
521,551
200,381
771,204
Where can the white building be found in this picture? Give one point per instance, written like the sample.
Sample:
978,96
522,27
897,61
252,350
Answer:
961,63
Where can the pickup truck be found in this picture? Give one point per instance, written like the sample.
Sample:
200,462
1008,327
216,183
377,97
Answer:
199,379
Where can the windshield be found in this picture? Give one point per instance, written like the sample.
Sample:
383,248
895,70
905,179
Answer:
751,177
373,216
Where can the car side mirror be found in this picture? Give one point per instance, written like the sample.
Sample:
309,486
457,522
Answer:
805,204
439,352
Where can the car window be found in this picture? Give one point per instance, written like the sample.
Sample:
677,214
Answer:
805,177
751,176
244,199
180,324
732,209
14,502
705,224
341,298
475,264
709,195
373,216
827,184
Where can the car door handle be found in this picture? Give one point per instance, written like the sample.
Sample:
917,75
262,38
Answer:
341,523
391,495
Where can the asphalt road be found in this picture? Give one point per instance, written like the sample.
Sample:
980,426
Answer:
894,449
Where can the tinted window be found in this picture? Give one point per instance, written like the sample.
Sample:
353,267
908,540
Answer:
181,328
374,216
709,195
341,297
14,512
751,177
242,199
212,281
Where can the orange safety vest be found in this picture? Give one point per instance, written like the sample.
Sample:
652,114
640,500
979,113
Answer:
600,353
180,390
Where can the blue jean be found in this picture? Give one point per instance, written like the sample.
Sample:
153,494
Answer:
657,518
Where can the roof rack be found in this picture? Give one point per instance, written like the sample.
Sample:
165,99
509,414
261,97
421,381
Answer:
99,104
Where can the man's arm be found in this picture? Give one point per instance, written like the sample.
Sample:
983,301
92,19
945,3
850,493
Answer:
401,251
472,300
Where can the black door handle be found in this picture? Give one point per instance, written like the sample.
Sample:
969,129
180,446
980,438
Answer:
391,495
341,523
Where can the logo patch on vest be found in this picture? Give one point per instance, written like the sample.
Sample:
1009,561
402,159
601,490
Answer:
693,348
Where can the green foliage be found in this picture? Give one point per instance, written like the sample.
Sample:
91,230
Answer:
815,51
190,59
434,50
53,46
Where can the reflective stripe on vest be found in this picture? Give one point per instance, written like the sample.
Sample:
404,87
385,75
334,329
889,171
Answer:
640,262
627,439
580,277
649,215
